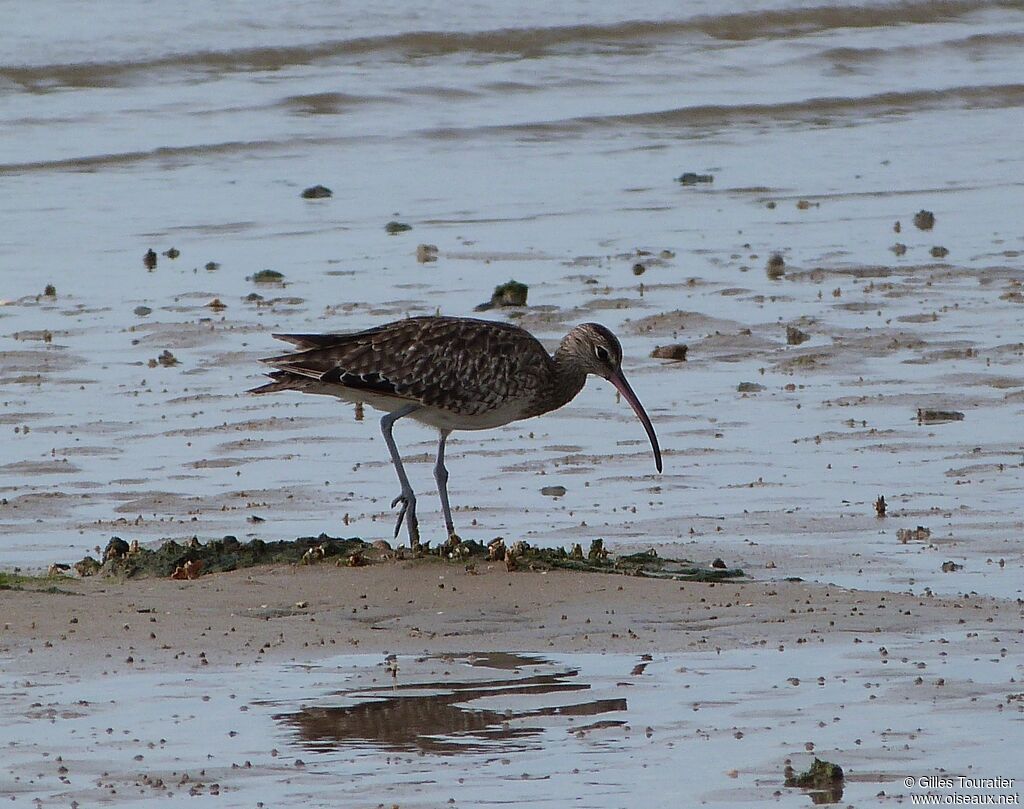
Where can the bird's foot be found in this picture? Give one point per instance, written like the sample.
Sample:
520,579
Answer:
407,513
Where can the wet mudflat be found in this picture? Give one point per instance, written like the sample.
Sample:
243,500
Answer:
797,261
778,452
393,682
472,729
803,223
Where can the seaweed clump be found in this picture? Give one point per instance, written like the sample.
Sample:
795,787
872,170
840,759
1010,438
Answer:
521,555
174,559
823,778
511,293
266,277
194,559
317,192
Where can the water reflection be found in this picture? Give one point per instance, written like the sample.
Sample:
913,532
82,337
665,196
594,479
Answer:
438,716
823,797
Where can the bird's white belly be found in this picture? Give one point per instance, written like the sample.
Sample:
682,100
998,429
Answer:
433,416
444,420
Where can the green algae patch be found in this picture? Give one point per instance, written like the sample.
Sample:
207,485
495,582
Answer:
648,563
522,556
823,778
15,581
33,584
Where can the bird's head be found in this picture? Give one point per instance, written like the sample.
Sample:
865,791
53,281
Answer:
593,349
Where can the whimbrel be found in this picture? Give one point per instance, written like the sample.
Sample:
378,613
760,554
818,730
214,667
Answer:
451,373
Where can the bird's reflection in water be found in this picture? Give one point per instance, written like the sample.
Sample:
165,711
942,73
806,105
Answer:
439,718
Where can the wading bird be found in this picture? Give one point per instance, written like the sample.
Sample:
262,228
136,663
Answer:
451,373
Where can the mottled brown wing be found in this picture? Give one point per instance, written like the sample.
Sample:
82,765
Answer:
459,364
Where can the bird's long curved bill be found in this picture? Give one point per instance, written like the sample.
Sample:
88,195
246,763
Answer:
622,386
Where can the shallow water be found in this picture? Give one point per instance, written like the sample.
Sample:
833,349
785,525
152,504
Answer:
541,146
475,730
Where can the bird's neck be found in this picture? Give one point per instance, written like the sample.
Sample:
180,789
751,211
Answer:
567,379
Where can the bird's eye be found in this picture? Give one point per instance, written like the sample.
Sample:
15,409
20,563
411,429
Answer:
602,353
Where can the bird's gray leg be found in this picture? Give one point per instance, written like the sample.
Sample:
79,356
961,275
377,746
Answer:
407,498
441,476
